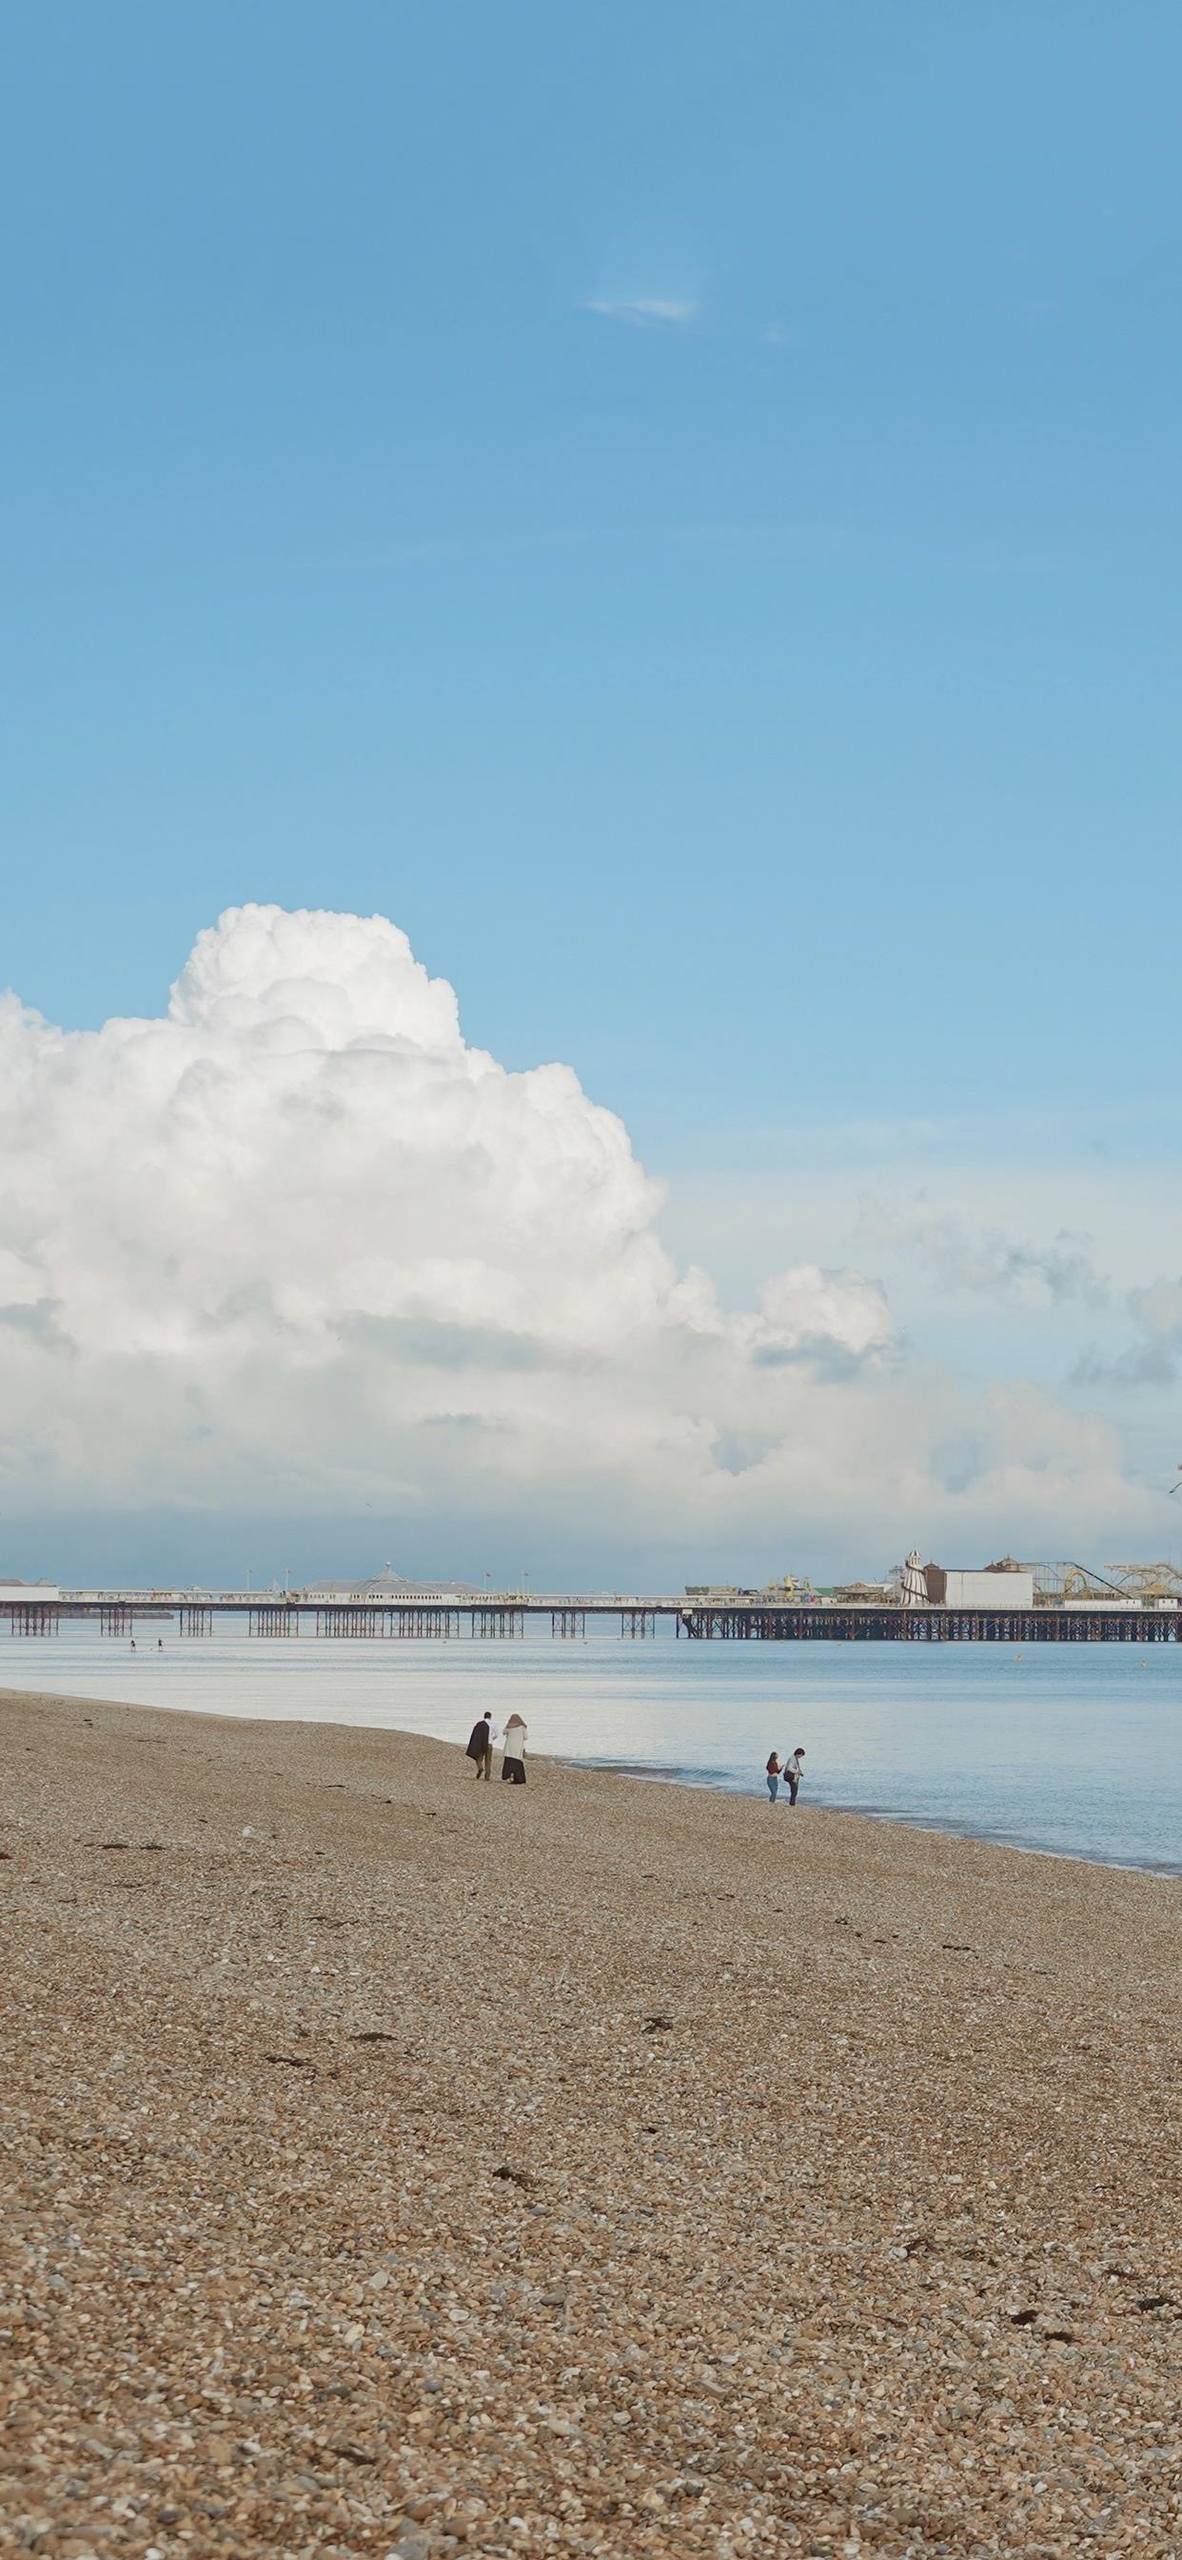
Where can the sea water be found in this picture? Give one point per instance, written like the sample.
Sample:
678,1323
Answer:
1072,1749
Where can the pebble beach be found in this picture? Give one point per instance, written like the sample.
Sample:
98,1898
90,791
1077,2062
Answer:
399,2165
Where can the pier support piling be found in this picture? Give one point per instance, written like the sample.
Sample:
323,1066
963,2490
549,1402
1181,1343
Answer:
498,1622
32,1618
266,1620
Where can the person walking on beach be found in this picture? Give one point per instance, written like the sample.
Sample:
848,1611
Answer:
513,1755
480,1746
774,1774
793,1773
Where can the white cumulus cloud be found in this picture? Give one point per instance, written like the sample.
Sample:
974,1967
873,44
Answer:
296,1247
295,1242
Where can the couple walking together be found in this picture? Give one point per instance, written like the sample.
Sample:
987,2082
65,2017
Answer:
792,1771
482,1739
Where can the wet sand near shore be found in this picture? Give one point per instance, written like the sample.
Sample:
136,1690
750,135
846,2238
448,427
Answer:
397,2165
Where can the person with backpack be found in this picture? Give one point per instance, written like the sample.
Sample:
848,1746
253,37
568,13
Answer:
774,1774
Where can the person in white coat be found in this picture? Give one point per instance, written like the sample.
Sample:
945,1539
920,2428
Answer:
513,1754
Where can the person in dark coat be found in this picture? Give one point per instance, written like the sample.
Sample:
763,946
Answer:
480,1747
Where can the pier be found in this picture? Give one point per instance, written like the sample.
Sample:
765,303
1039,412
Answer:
504,1616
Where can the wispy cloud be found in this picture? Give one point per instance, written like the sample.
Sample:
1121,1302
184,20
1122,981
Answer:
644,310
1153,1360
983,1261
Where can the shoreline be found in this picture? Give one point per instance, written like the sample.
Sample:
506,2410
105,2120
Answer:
699,1781
400,2165
655,1773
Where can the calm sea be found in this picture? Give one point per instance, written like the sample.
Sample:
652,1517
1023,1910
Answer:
1069,1749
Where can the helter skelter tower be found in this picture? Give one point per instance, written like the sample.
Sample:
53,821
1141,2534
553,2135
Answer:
913,1589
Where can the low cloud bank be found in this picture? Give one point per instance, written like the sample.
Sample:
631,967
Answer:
296,1246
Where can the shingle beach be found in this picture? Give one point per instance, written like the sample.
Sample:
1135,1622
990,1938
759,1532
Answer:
398,2165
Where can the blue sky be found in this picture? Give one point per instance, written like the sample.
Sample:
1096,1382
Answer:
677,507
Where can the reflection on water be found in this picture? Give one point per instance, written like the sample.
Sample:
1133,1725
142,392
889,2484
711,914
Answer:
1069,1749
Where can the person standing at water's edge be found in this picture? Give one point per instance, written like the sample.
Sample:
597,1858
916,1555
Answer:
773,1774
513,1755
479,1748
794,1772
